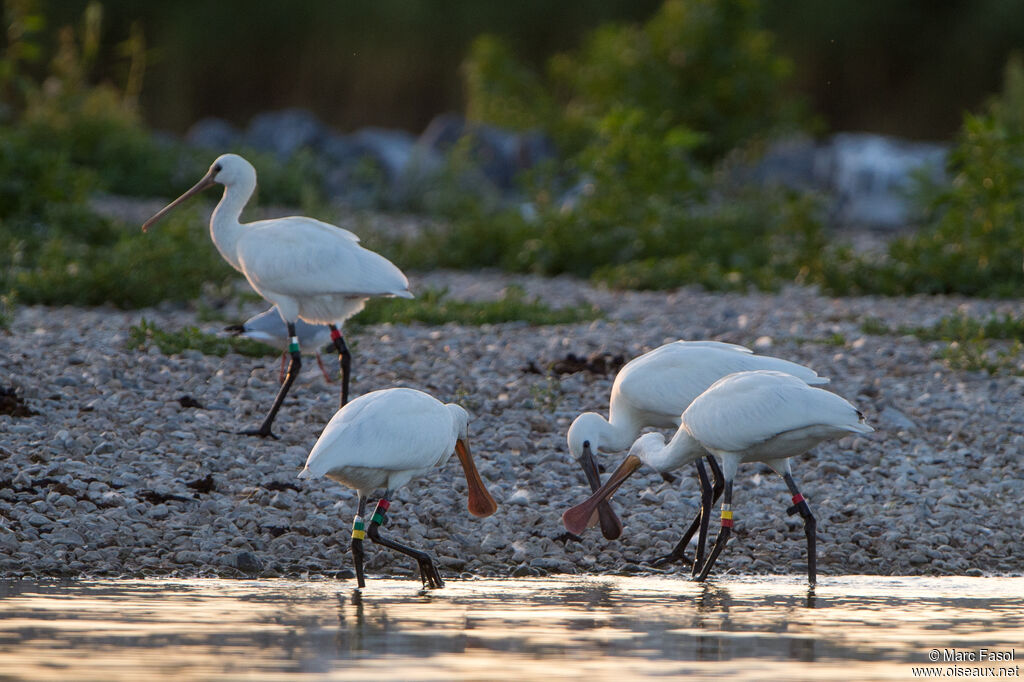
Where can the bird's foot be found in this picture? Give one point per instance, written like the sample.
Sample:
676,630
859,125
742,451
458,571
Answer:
667,559
566,537
430,576
261,432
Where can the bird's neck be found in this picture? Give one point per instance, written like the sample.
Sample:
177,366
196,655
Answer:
225,225
681,450
620,431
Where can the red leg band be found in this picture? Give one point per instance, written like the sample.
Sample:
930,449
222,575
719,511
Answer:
798,498
335,335
726,523
383,504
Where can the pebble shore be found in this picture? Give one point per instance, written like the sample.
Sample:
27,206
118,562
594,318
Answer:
113,475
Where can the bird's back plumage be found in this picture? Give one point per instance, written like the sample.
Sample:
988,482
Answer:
309,257
667,379
742,410
396,429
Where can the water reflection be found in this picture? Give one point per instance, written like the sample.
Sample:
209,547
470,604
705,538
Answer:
601,627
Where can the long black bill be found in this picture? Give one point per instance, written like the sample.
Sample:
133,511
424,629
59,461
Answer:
611,526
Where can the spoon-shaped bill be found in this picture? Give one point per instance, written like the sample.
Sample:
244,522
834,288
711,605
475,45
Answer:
205,182
611,526
576,518
480,502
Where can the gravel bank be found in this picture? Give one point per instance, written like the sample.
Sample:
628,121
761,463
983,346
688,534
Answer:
113,476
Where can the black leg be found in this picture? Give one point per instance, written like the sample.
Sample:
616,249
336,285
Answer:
707,501
293,371
709,494
344,359
358,533
810,527
723,534
611,526
428,573
678,553
717,487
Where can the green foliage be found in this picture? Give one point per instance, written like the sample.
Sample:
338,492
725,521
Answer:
957,327
71,138
434,307
981,356
147,334
94,261
700,65
641,112
974,241
501,90
972,344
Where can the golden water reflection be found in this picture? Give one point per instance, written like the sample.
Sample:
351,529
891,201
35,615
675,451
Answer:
855,627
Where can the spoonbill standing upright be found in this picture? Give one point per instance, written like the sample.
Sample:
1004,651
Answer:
653,390
269,328
759,416
307,268
384,439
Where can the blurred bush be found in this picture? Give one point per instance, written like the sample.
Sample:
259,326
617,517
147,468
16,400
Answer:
973,242
643,114
67,137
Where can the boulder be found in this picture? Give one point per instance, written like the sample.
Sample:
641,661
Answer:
286,131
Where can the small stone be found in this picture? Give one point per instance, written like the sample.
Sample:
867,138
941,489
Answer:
247,562
522,571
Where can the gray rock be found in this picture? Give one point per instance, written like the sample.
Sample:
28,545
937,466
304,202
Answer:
284,132
215,134
247,562
896,420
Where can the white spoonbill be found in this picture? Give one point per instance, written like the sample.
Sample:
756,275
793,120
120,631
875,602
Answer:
268,327
653,390
759,416
307,268
384,439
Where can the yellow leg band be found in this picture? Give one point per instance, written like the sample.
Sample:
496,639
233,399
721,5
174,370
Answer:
358,534
726,513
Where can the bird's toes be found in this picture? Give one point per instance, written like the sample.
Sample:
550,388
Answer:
259,432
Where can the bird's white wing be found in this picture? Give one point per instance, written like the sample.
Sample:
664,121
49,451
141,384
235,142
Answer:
302,257
667,379
394,429
747,408
302,221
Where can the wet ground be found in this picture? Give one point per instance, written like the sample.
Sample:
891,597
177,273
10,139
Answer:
852,628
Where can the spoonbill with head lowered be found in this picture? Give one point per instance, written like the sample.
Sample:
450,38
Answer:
384,439
759,416
269,328
308,269
653,390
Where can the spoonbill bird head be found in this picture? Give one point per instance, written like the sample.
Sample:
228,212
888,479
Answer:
585,436
479,502
578,518
229,170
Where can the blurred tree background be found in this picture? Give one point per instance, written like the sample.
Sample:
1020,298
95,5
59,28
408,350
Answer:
906,67
651,105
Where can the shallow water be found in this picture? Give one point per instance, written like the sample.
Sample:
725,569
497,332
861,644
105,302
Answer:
853,628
